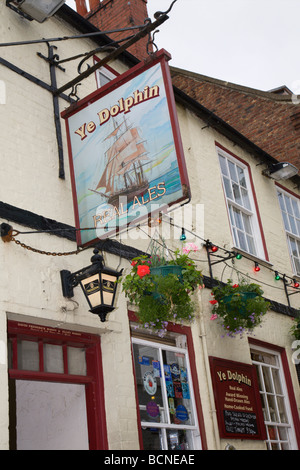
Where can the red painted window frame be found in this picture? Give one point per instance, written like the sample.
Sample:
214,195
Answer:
288,380
263,240
93,381
185,330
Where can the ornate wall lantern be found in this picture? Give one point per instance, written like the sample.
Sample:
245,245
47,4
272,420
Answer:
98,283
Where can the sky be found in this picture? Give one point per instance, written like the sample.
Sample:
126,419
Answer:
254,43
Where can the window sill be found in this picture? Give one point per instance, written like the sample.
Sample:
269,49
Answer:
253,258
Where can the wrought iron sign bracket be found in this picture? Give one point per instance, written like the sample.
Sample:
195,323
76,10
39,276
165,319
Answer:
287,293
52,60
149,26
210,253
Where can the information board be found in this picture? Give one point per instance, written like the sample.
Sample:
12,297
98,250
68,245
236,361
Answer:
237,400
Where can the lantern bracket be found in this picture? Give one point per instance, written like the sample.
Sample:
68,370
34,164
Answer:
71,280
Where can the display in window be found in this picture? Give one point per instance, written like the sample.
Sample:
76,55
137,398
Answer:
165,398
150,384
152,409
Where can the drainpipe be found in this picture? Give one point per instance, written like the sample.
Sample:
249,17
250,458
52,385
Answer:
202,336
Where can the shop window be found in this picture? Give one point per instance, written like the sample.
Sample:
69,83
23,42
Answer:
290,210
166,403
274,400
240,204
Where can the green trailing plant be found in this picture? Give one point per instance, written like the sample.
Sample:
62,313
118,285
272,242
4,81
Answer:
295,329
239,307
161,289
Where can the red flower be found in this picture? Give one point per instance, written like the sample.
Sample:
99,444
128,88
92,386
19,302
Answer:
133,263
213,302
143,270
235,285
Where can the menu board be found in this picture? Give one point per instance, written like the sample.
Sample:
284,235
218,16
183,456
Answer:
237,400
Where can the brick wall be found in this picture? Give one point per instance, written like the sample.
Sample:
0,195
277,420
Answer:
116,14
270,121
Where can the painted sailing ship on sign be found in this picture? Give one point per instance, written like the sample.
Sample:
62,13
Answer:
125,151
125,159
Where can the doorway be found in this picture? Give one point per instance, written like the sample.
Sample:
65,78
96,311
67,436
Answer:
56,396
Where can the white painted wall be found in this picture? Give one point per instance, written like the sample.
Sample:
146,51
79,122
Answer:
30,288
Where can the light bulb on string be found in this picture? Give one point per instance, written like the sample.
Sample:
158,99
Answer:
277,276
296,283
183,235
256,267
239,256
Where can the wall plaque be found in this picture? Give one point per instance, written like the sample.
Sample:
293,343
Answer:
237,400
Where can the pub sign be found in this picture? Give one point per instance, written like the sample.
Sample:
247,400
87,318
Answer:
237,399
125,151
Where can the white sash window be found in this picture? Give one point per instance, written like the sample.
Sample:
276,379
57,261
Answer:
274,399
240,205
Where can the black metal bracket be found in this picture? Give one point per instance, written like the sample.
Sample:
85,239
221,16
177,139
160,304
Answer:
210,254
287,293
52,60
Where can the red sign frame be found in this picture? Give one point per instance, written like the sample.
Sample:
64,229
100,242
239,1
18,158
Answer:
237,399
109,92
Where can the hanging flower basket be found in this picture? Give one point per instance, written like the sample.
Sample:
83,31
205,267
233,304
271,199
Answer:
162,289
239,307
167,269
229,301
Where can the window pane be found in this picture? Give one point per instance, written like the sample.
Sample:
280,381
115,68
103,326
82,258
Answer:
235,237
272,409
28,355
148,377
267,379
283,433
288,205
242,241
286,221
232,171
241,175
152,439
228,189
238,219
237,194
76,361
53,358
247,223
298,226
296,208
281,201
223,165
272,431
292,225
293,246
251,245
281,409
246,202
178,387
179,439
276,380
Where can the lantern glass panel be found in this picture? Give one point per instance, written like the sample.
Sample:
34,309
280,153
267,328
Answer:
91,288
108,288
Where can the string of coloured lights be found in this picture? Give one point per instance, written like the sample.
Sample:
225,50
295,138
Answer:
212,250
